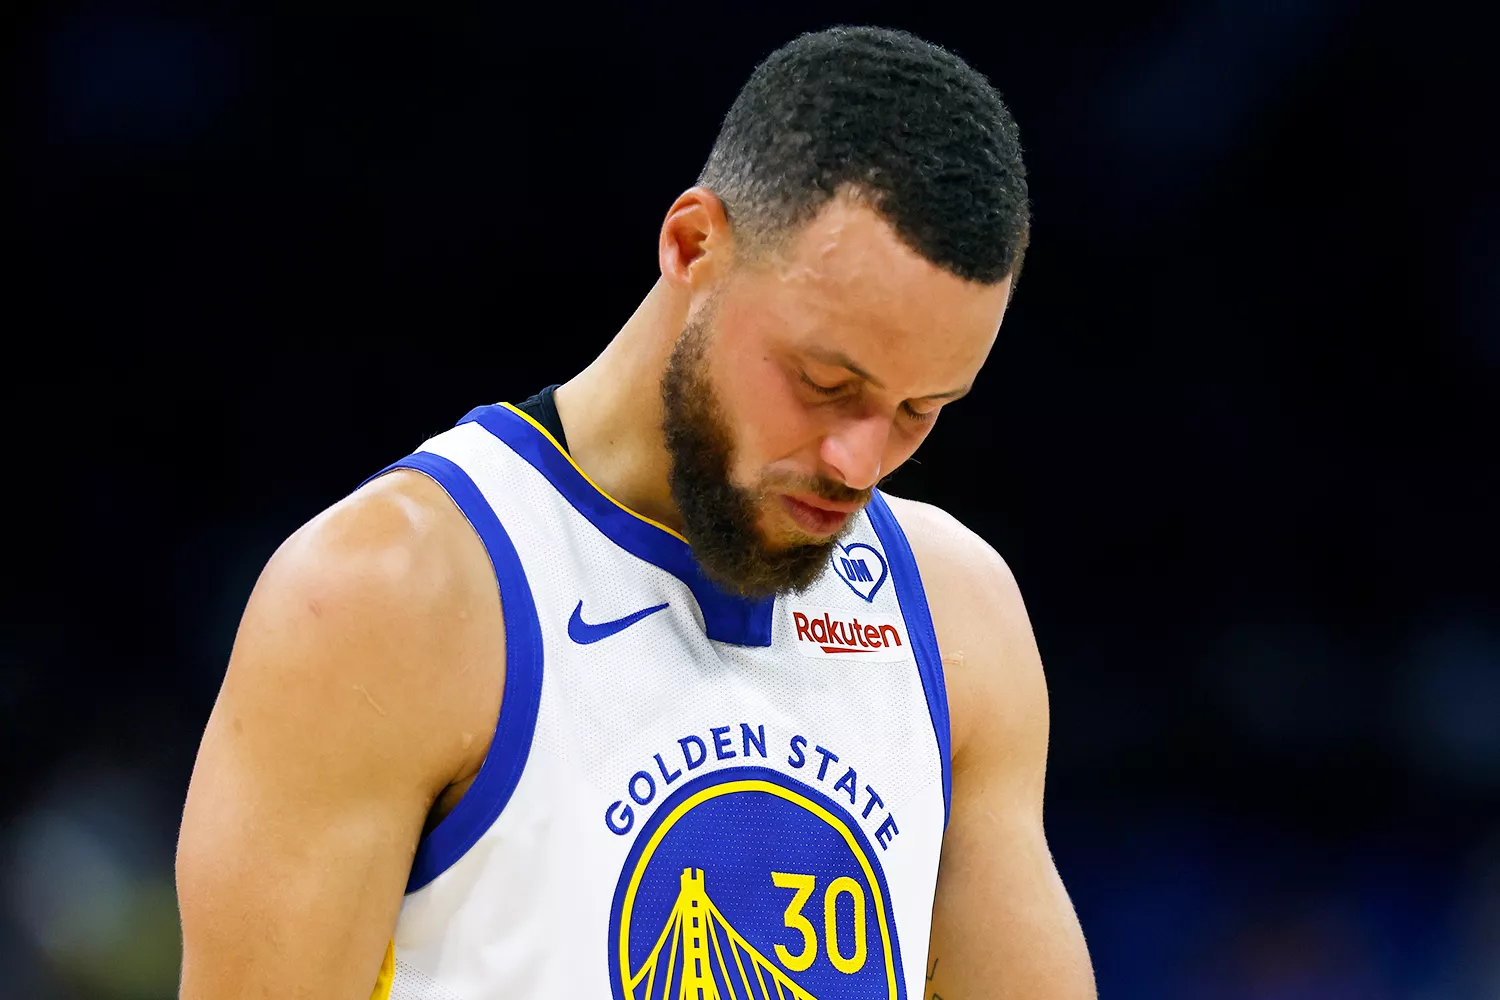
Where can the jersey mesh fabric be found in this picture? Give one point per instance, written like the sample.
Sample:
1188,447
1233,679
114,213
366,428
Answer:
492,925
413,984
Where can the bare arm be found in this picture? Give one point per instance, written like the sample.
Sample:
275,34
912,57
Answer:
365,679
1003,927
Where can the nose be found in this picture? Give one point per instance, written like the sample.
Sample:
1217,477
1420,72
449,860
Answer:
856,449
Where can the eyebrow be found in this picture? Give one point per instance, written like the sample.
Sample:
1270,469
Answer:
842,360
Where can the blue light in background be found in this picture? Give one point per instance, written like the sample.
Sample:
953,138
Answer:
136,81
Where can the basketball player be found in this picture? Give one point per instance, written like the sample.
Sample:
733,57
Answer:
640,688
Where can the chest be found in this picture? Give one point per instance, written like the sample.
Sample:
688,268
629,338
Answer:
696,789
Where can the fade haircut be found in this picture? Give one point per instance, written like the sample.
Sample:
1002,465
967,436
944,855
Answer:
901,125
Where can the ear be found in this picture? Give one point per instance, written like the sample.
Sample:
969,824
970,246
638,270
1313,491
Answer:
695,244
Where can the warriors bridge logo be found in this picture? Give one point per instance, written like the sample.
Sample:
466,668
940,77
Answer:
747,885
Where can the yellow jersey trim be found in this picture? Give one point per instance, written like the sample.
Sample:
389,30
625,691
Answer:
387,977
564,453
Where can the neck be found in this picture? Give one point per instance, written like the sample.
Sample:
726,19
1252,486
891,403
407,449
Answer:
612,410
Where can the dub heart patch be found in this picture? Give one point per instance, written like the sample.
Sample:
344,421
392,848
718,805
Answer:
862,567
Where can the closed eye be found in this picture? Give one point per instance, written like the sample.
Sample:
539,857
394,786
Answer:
917,416
826,390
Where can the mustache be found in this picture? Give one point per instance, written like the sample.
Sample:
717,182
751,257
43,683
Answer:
819,486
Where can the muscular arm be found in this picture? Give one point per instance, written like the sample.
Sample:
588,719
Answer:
1003,927
365,680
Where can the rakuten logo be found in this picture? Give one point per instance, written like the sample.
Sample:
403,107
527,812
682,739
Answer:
823,632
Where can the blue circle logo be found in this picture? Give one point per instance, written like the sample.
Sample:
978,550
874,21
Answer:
745,884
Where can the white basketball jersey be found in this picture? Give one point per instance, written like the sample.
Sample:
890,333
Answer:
689,794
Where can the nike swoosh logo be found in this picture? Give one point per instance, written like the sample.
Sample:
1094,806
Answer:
583,633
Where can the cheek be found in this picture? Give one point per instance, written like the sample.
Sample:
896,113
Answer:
767,419
903,444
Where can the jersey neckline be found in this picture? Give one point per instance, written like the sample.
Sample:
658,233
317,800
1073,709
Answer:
727,617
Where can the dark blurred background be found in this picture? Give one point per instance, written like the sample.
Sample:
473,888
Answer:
1238,439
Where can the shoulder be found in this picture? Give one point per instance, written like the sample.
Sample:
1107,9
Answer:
996,689
382,612
951,556
397,544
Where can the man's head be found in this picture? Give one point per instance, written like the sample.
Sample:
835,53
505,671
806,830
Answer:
846,258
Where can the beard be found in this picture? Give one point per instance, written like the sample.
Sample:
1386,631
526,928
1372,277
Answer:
720,517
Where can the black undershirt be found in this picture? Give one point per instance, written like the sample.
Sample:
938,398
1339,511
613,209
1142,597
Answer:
543,409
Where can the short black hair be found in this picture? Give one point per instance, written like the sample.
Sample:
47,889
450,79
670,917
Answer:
905,126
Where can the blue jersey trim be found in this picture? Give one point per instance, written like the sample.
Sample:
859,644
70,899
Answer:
913,600
726,617
501,771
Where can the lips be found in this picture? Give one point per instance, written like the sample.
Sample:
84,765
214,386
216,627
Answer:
817,516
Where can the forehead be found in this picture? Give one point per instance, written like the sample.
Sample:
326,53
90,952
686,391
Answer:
846,282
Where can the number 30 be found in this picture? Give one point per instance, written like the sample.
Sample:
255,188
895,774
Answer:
803,886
